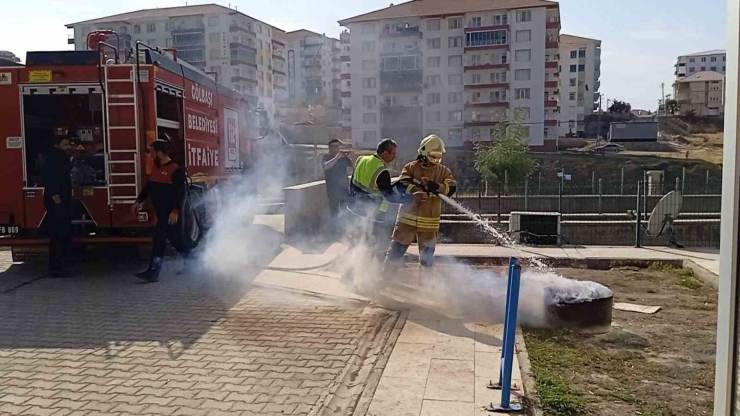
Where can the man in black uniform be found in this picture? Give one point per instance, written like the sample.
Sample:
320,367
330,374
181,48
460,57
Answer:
58,203
166,190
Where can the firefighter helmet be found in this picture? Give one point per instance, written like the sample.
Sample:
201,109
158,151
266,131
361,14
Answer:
432,148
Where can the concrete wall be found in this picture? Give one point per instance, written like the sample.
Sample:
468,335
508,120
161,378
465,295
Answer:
306,208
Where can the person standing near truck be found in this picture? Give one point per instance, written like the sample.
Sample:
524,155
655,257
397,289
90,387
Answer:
337,166
55,175
166,190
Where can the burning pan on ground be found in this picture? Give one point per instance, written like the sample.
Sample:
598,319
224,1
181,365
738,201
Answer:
580,313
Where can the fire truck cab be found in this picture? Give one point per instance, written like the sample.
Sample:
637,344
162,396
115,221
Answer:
112,108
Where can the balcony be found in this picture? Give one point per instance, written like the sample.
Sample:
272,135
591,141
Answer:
70,40
243,46
241,78
552,44
401,81
197,39
488,86
490,104
551,84
503,47
346,94
401,31
486,66
277,42
236,28
277,71
484,28
344,38
188,26
551,65
551,104
551,123
344,58
345,76
552,25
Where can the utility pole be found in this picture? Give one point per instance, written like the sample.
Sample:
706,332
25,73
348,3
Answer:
598,137
662,89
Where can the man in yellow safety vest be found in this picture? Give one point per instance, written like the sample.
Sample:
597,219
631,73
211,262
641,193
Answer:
420,220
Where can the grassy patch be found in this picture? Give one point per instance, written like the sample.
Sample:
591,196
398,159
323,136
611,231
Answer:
552,358
684,275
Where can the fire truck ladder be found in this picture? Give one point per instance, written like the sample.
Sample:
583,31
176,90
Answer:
122,138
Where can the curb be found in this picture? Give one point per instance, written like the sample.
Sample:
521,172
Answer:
705,276
531,402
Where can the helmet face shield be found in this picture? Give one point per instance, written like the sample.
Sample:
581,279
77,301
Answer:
435,157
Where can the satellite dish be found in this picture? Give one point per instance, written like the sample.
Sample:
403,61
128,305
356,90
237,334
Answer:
663,215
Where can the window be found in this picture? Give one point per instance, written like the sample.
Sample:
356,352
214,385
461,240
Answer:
572,96
434,43
454,116
524,55
454,97
390,63
580,97
475,60
454,135
498,96
454,60
703,68
152,42
150,28
168,42
213,21
574,68
692,69
573,82
723,69
369,118
500,19
475,79
368,83
368,64
475,97
369,136
433,98
703,58
525,110
692,60
573,54
486,38
526,132
259,44
433,62
216,69
521,93
497,77
368,28
433,116
714,68
499,58
581,53
214,54
454,23
167,26
454,42
475,22
523,35
434,80
581,68
433,24
523,74
724,58
213,37
454,79
368,46
524,16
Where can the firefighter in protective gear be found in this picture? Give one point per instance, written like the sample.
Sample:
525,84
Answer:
420,220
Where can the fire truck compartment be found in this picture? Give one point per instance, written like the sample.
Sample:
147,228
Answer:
53,112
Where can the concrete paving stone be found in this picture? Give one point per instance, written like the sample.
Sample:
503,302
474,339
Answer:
419,332
451,380
444,408
409,361
485,396
454,348
397,397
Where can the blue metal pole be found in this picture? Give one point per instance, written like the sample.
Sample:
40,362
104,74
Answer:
512,262
509,338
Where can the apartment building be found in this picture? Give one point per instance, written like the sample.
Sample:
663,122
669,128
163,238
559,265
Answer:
346,86
244,53
454,68
714,60
580,70
703,92
314,68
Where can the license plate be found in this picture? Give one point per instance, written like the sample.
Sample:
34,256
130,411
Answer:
9,230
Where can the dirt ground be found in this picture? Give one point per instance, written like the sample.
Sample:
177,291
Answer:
661,364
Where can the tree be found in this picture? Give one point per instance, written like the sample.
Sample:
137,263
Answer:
690,116
508,159
620,107
672,106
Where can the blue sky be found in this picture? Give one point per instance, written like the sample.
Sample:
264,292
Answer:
640,39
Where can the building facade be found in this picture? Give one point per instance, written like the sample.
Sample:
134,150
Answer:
714,60
702,92
452,68
314,68
580,70
242,52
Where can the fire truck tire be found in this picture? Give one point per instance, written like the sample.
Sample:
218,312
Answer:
189,230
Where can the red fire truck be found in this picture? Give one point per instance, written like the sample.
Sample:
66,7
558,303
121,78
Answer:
113,107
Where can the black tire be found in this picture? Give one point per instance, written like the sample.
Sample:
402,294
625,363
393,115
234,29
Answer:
617,150
189,231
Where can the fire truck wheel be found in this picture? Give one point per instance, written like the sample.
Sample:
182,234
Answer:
189,230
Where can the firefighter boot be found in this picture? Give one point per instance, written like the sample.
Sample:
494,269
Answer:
151,274
393,258
188,263
426,255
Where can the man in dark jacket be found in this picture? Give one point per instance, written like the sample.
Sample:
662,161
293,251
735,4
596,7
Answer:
166,189
58,203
